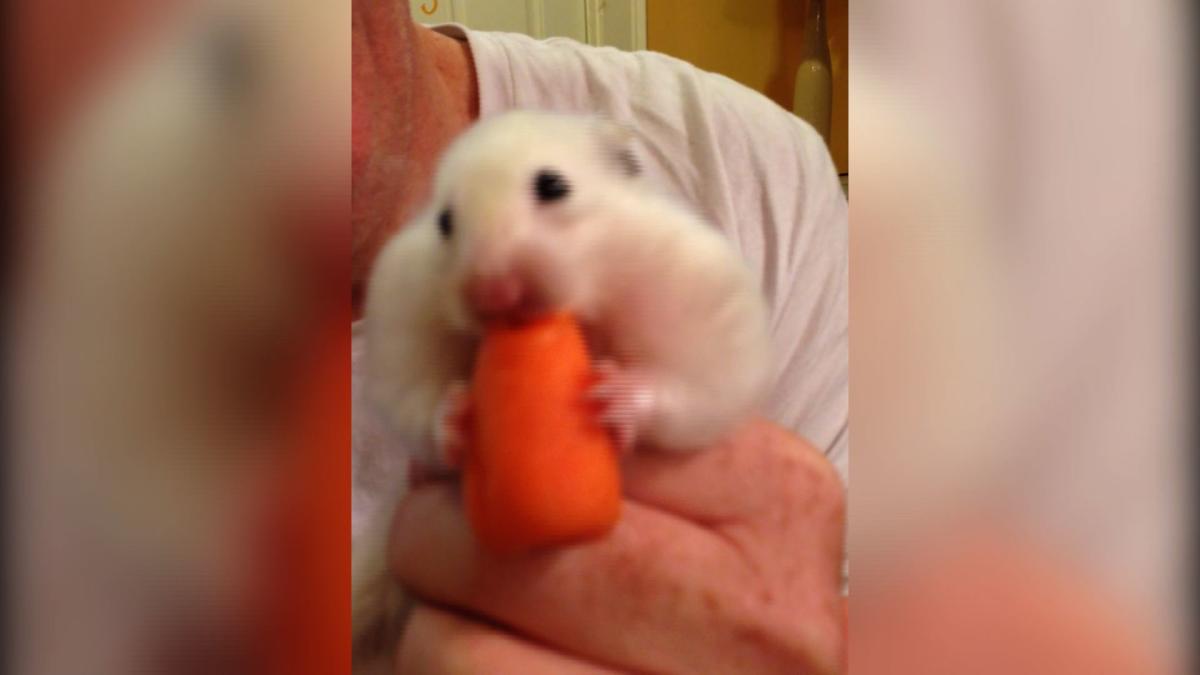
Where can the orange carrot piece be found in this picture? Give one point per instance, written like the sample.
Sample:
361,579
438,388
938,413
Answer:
540,470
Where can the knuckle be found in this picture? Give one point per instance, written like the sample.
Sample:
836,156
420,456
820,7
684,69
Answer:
807,480
805,464
781,644
438,643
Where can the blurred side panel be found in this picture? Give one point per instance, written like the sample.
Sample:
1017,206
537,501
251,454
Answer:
179,357
1018,332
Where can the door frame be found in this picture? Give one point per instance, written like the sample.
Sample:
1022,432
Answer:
595,20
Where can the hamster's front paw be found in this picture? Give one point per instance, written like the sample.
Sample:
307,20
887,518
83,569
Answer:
626,399
451,427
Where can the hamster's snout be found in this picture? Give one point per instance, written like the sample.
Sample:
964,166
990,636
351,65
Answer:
503,296
494,294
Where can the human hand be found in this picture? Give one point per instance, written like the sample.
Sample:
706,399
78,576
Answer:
724,561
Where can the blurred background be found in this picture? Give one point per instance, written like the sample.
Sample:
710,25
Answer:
1019,317
792,51
1020,337
178,331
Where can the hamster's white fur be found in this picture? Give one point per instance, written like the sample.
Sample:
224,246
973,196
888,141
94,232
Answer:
658,290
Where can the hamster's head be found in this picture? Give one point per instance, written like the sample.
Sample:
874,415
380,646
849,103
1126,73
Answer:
521,206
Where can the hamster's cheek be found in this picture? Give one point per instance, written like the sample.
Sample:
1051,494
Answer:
455,312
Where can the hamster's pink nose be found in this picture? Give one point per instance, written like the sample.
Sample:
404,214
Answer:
493,296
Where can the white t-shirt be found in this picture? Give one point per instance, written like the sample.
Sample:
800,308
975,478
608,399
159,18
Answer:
760,174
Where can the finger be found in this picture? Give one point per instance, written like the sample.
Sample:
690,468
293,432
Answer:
621,429
438,641
759,470
693,601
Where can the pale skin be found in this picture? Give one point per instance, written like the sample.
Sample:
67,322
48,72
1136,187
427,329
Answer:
725,560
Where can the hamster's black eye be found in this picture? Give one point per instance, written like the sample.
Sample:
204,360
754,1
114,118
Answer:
445,223
550,186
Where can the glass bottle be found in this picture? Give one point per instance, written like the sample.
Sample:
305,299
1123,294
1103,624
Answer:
814,79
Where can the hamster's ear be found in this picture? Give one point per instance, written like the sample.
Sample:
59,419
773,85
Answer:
617,142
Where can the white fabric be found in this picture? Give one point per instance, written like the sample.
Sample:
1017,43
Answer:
753,169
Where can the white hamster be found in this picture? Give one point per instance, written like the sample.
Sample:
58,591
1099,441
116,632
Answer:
534,212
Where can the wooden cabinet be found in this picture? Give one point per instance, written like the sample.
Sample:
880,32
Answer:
759,43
